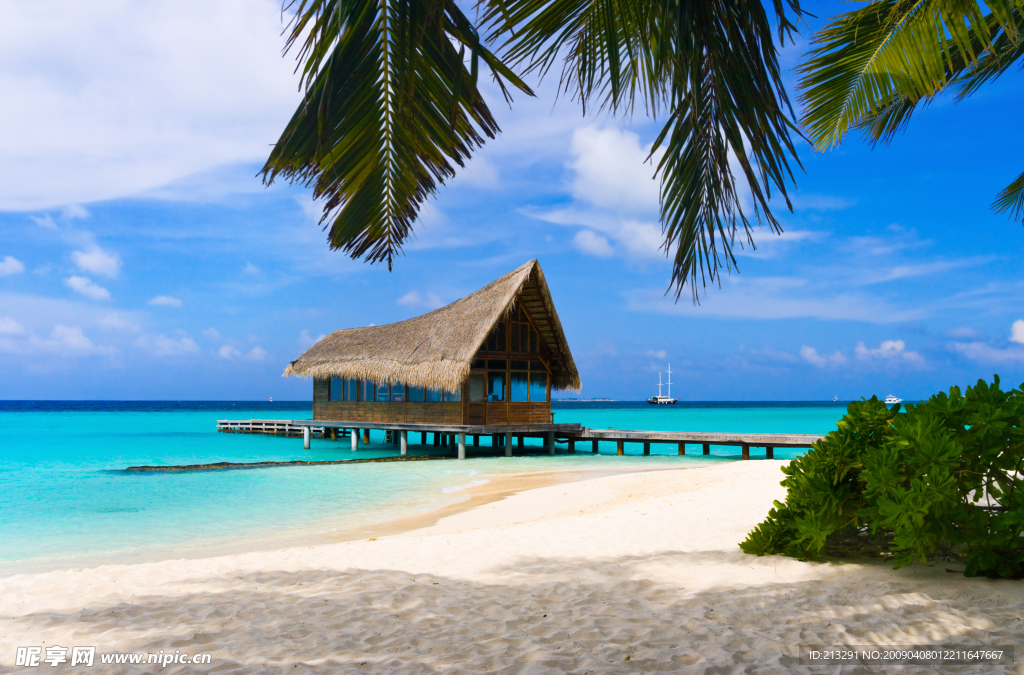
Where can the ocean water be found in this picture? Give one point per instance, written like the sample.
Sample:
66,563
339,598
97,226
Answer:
66,502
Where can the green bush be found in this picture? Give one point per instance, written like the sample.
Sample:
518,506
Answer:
942,478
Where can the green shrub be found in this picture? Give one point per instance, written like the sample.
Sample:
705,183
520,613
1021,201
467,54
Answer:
942,478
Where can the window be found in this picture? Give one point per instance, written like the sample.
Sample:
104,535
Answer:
495,385
476,387
433,395
538,386
383,392
344,389
398,391
520,384
415,393
452,396
369,391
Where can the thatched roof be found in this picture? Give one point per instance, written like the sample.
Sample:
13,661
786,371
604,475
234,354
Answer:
435,350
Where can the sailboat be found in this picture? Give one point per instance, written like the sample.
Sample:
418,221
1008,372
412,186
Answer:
664,400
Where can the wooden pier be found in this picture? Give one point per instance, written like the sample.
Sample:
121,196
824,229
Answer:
455,436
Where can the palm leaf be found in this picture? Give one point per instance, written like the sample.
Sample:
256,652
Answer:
388,107
712,67
876,61
1011,198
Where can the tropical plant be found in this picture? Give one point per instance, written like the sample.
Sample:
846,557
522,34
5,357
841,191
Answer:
391,102
943,478
872,68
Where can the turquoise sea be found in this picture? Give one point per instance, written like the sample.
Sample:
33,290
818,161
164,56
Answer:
65,501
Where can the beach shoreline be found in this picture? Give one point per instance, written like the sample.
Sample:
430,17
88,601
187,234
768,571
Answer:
622,573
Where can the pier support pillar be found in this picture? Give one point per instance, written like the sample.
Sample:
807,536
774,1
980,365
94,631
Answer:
508,444
593,446
647,447
423,438
572,445
682,448
462,446
551,442
354,435
476,440
746,451
769,452
404,442
366,435
306,433
519,441
620,451
707,448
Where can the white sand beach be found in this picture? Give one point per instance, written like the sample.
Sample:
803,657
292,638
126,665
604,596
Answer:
628,573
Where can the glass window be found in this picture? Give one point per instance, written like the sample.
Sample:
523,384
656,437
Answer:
520,385
383,391
500,329
496,364
433,395
351,390
524,338
519,365
476,387
397,391
453,396
336,391
514,347
415,393
533,340
479,364
538,387
368,391
492,341
496,386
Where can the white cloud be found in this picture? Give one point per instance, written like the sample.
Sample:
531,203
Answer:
888,350
45,221
10,265
251,269
94,259
161,345
816,202
592,243
211,333
73,211
811,355
164,301
979,351
610,171
117,322
71,337
87,287
657,354
255,354
1017,331
124,97
415,299
9,326
961,332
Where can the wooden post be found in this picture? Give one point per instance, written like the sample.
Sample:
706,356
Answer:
593,446
620,450
305,437
746,451
769,452
508,444
551,442
572,445
334,433
462,446
647,447
366,436
423,438
519,441
354,434
476,440
707,448
437,439
682,448
404,442
496,440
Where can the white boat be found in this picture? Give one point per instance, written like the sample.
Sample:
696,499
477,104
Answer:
892,400
664,400
835,398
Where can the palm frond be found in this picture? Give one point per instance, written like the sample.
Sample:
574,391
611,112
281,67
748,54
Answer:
712,67
874,62
388,107
1011,199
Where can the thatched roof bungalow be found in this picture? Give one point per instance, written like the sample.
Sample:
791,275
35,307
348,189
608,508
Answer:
492,357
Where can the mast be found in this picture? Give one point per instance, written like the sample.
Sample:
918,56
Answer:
659,385
669,381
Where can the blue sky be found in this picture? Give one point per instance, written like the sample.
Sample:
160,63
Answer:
141,258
